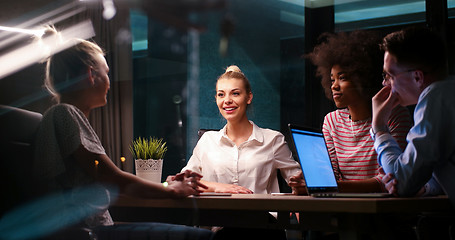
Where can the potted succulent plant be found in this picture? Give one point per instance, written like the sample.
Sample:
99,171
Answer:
148,155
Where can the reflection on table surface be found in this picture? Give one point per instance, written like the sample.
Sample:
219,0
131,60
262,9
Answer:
350,217
269,202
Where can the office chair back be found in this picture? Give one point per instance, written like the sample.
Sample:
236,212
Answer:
19,127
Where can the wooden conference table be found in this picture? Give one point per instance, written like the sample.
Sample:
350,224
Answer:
351,217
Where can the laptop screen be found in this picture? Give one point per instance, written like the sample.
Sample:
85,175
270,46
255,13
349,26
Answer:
314,159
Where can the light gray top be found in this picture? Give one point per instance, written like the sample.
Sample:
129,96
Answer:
63,129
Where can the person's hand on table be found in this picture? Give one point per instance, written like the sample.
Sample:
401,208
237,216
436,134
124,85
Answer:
229,188
298,184
186,183
390,184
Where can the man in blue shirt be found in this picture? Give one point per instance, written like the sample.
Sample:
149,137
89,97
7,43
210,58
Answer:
415,72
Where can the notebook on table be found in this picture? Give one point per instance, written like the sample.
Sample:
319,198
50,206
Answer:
312,154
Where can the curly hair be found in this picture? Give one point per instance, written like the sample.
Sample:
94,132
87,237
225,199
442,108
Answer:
357,53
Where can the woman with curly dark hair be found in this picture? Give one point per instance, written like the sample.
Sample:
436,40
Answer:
350,65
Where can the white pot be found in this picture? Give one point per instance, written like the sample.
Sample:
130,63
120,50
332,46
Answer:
149,169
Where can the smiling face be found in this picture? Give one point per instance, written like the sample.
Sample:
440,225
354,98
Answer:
344,91
232,99
404,81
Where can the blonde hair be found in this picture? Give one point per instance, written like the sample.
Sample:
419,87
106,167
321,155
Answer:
233,71
233,68
69,66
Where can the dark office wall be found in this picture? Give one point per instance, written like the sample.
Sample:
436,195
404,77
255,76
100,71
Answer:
24,89
254,46
160,78
303,99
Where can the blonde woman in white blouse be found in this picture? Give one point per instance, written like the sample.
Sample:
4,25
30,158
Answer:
241,157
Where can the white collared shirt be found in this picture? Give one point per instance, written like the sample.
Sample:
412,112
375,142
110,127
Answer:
252,165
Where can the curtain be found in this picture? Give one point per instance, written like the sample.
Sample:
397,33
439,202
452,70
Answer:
114,122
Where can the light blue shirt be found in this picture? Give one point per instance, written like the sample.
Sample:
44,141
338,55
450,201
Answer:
429,157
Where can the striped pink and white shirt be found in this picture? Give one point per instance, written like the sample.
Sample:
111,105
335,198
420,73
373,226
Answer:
350,146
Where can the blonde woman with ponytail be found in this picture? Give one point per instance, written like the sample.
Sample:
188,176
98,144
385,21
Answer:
241,157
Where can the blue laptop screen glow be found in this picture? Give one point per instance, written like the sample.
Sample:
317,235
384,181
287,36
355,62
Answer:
314,159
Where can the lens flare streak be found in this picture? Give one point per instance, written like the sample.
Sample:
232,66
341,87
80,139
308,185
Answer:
37,51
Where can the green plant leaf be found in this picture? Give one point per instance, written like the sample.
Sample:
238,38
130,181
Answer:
151,148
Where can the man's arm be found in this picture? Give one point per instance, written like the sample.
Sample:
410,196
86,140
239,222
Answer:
413,167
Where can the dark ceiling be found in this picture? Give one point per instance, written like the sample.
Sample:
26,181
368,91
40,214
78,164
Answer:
17,9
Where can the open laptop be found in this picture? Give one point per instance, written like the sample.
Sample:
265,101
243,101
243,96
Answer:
311,150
